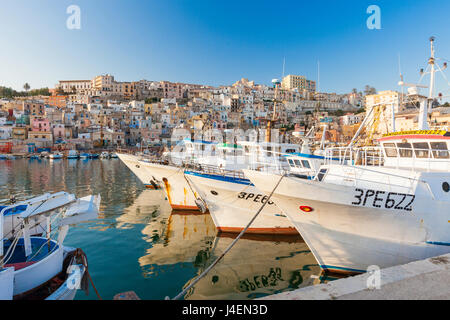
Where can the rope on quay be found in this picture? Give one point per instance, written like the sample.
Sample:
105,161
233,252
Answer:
204,273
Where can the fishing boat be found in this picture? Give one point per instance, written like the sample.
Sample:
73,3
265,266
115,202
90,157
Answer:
55,156
84,156
132,162
168,174
231,198
379,206
7,157
39,262
104,155
93,155
73,154
46,203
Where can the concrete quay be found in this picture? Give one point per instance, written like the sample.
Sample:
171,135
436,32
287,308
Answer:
427,279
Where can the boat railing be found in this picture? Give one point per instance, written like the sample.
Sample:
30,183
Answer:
365,156
213,169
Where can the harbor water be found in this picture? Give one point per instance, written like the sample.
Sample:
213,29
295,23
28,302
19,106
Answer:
138,244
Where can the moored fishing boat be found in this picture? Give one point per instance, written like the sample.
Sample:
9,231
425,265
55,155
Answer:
104,155
132,162
73,154
379,206
38,261
55,156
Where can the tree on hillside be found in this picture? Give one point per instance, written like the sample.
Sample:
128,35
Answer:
26,86
368,90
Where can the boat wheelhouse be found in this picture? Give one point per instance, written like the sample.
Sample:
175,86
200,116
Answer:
421,149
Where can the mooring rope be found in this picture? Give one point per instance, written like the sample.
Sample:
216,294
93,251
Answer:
204,273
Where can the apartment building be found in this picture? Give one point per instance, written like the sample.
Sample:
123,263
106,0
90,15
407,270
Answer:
298,82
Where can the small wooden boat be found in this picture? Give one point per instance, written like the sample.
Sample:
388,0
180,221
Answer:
73,154
104,155
41,262
56,155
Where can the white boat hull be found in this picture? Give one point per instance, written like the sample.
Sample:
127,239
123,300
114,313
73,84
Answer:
232,203
346,237
133,164
6,283
36,274
69,289
180,195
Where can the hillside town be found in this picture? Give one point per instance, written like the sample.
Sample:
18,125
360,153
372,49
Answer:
107,114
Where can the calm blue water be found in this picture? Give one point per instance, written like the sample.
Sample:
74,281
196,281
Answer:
138,244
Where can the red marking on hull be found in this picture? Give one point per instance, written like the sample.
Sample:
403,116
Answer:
184,208
286,231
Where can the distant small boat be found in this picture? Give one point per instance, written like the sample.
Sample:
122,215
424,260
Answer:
34,157
93,156
56,155
7,157
73,154
84,156
104,155
113,155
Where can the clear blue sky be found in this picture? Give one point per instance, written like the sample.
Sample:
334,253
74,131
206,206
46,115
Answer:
218,42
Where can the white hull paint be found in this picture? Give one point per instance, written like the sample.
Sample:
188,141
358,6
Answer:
179,194
68,290
349,238
133,164
233,202
6,283
40,272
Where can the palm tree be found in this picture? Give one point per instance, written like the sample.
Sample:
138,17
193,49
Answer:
26,86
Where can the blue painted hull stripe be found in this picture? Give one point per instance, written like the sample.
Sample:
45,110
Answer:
220,178
341,268
307,155
438,243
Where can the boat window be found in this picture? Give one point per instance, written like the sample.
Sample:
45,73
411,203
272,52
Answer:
306,164
421,149
405,150
291,163
290,150
439,150
321,174
390,150
297,163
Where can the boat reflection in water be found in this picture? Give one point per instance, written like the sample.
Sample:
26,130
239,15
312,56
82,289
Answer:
258,265
188,237
149,208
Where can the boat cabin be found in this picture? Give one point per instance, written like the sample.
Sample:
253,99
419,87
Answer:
423,149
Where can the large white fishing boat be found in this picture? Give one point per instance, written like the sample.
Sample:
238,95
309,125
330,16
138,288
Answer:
231,198
170,176
381,206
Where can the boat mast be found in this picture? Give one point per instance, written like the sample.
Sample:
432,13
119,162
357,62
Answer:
433,68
